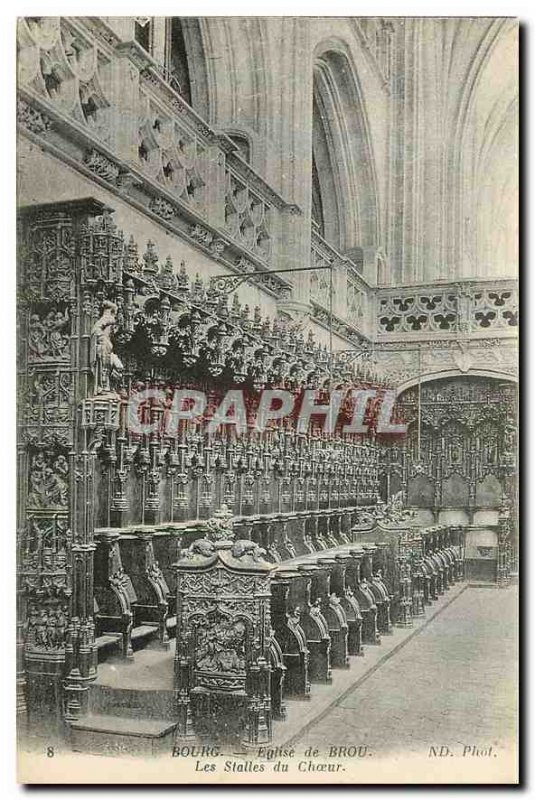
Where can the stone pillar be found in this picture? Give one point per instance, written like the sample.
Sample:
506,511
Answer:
55,559
294,76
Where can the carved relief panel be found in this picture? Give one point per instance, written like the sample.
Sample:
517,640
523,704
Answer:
223,637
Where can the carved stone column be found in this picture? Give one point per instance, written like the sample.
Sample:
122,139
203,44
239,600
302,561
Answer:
55,564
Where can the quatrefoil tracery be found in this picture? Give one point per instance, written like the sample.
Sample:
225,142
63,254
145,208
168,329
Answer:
57,62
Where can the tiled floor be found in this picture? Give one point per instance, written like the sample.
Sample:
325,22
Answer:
324,696
453,685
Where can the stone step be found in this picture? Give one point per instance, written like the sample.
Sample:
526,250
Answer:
146,703
105,734
108,645
150,668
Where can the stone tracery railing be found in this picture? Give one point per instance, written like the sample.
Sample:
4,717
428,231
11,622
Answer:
104,105
60,62
472,307
351,294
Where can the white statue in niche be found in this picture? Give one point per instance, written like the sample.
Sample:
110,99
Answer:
106,366
396,501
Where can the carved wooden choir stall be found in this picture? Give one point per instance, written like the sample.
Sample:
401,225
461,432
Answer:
269,557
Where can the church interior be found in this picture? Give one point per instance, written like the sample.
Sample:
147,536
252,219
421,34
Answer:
251,203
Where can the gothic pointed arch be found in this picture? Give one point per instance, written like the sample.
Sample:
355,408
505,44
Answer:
483,216
429,377
196,63
344,181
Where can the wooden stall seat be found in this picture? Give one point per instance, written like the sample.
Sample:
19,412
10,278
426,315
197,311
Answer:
114,595
290,636
331,608
340,586
151,610
312,622
331,594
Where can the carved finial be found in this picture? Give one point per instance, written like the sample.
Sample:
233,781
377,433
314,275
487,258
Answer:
257,318
150,258
266,328
219,535
236,306
222,305
166,278
132,257
197,290
168,266
213,294
183,279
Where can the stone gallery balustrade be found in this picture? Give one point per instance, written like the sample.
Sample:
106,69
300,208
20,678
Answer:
348,311
476,307
104,104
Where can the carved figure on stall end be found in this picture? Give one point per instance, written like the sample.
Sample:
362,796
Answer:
36,337
219,535
218,532
56,323
294,617
220,527
46,627
200,547
248,549
394,511
106,366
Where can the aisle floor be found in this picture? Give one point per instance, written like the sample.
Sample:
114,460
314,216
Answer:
453,685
